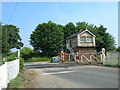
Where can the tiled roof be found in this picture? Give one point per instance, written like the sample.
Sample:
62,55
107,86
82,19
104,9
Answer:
81,32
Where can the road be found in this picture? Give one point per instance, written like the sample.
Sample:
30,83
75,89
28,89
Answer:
74,76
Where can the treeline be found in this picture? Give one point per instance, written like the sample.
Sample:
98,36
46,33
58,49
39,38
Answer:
50,38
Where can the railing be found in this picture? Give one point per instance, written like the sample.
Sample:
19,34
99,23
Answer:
71,51
8,71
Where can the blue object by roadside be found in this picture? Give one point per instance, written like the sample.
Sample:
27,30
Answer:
56,60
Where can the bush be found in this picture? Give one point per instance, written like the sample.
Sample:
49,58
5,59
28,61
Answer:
11,58
26,53
21,64
38,59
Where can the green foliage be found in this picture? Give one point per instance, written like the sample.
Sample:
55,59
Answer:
51,37
81,26
39,59
26,53
47,37
15,83
10,38
21,64
118,49
1,61
103,39
117,65
11,56
21,81
69,29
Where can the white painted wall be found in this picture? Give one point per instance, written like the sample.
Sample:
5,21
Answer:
8,71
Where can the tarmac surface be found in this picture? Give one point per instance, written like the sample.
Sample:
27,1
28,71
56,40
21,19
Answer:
54,75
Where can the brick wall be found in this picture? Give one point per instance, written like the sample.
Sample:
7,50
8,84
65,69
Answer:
84,50
65,55
80,50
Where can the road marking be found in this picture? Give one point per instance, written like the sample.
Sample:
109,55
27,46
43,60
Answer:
58,72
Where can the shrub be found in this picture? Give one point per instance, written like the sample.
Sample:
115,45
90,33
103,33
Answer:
21,64
26,53
11,58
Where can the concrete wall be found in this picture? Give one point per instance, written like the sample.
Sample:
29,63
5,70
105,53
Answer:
112,58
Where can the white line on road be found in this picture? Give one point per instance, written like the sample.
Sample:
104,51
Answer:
58,72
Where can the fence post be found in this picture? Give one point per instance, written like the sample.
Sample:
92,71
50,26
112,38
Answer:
81,58
77,57
103,56
69,56
62,56
18,53
90,57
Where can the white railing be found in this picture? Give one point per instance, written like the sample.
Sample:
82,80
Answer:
71,51
8,71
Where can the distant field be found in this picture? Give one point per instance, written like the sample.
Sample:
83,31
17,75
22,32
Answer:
38,59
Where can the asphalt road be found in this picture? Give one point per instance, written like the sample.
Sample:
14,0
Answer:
78,76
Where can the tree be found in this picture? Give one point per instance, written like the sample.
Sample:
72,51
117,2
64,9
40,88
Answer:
81,26
50,37
103,39
69,29
47,37
26,53
10,38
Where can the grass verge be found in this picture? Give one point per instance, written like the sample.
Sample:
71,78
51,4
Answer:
112,65
23,80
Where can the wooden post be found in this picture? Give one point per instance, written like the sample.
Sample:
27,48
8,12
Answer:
63,56
77,57
101,57
81,58
90,58
69,57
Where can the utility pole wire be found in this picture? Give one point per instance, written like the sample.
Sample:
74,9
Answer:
12,12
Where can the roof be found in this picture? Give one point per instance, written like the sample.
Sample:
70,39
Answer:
81,32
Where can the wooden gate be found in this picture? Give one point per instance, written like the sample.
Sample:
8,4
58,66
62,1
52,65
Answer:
98,57
93,58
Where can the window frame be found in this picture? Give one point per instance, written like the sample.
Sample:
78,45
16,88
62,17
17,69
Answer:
86,39
82,38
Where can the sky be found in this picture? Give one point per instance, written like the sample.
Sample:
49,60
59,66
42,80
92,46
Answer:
27,15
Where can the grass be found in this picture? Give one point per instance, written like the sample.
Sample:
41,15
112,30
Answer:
1,62
112,65
21,81
38,59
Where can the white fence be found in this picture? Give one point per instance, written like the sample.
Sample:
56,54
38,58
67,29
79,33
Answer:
8,71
